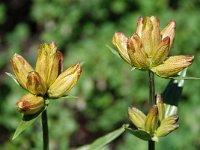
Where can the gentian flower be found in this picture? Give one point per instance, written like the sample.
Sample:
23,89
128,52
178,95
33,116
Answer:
47,80
148,48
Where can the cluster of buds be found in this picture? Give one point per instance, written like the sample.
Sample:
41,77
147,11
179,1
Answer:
148,48
157,123
47,80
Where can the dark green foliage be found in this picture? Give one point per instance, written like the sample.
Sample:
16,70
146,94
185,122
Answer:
82,29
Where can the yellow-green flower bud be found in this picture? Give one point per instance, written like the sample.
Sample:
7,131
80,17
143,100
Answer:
169,120
139,27
146,36
161,107
46,53
120,41
166,129
136,53
152,120
162,52
55,68
137,117
21,68
30,104
173,65
35,84
65,81
169,31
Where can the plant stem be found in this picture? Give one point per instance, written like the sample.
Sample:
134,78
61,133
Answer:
151,144
151,89
45,130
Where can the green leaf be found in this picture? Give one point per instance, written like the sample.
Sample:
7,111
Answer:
15,80
26,121
184,78
13,77
64,97
140,134
102,141
113,51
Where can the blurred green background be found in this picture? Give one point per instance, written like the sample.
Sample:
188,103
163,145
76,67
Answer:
82,30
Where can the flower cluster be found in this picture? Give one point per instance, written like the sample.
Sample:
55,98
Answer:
47,80
157,123
148,48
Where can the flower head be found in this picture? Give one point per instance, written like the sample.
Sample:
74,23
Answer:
157,123
47,80
148,48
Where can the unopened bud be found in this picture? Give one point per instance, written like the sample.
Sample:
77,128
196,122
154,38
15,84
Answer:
30,104
55,68
173,65
21,68
65,81
161,52
161,107
46,53
152,120
165,129
120,41
169,31
35,83
137,117
136,53
169,120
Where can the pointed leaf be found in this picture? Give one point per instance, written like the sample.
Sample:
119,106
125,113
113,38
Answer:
13,77
26,121
113,51
184,78
140,134
65,97
15,80
102,141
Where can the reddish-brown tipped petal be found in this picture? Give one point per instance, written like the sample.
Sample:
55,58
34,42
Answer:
152,120
65,81
35,84
161,53
21,68
156,37
161,107
165,130
139,27
55,68
169,31
30,104
147,36
120,41
136,53
173,65
46,53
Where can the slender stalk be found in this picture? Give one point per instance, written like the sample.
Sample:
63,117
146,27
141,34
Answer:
151,144
151,89
45,130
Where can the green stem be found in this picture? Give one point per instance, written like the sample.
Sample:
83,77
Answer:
45,130
151,144
151,89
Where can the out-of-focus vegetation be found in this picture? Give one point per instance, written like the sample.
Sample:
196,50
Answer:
82,29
